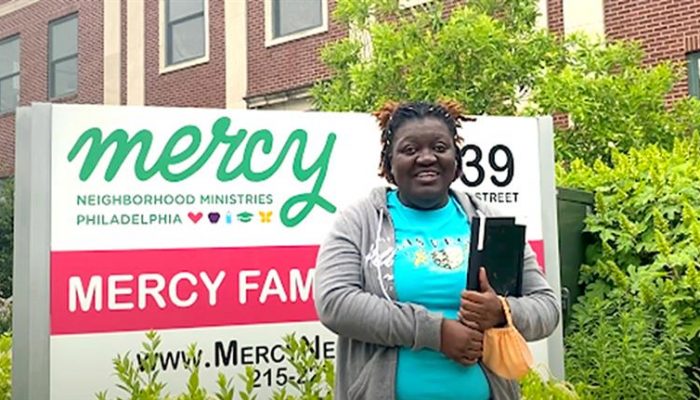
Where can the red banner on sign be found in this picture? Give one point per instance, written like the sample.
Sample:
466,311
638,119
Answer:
110,291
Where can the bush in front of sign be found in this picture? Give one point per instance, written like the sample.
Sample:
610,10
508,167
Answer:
142,381
534,387
636,331
6,366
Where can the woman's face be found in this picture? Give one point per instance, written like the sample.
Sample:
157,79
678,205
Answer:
423,162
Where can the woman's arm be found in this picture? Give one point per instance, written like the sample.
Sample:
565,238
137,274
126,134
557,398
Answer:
345,308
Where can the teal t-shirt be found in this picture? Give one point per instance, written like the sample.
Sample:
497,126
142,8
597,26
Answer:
430,268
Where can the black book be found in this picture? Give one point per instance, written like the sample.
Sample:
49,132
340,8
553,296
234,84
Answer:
497,244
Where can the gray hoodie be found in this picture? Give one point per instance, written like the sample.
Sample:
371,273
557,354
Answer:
355,298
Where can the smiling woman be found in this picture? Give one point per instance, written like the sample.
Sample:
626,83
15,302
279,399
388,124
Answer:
422,160
391,275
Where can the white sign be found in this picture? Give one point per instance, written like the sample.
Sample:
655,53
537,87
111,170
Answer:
204,225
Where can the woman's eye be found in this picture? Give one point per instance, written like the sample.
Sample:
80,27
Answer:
409,150
441,148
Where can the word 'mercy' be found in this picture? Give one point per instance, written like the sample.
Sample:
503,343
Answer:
192,135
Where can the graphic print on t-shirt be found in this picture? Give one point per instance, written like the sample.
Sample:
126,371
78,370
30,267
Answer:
448,253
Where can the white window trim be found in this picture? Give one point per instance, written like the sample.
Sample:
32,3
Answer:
13,75
269,41
51,78
12,6
164,69
403,4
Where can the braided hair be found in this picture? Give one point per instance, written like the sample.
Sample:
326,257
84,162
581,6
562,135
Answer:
392,115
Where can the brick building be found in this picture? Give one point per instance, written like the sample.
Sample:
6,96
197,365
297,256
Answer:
243,53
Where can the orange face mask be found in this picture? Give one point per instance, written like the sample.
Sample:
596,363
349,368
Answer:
505,351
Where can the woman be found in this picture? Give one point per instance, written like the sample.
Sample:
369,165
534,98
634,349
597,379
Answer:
390,277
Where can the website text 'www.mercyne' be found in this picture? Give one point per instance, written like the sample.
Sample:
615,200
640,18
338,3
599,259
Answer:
269,361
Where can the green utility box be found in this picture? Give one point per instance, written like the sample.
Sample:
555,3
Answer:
572,208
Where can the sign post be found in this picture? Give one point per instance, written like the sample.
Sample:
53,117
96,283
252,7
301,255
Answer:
204,225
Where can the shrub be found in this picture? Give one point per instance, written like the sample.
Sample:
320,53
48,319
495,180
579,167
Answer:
6,366
622,350
642,304
6,236
534,387
315,376
5,315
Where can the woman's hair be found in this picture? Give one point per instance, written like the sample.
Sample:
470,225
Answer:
392,115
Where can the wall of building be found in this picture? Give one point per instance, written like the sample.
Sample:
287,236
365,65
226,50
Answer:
667,29
31,23
288,65
555,16
202,85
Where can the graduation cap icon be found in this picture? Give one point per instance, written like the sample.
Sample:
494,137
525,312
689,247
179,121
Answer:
244,216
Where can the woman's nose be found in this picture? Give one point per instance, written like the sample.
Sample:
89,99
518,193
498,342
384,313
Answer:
426,157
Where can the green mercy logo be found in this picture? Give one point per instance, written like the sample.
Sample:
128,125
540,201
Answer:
191,134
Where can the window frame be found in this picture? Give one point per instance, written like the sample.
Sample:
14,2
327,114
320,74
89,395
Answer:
271,40
51,62
405,4
13,75
694,74
166,38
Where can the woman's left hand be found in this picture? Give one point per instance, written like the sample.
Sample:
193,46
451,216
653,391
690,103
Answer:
482,307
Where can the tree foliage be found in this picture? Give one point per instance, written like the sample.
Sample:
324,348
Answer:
484,62
491,56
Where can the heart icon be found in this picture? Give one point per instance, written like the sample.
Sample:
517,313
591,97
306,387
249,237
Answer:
195,217
214,217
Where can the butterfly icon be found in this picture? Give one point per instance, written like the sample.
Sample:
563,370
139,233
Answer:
265,216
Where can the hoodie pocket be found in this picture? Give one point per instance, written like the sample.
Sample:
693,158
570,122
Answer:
359,388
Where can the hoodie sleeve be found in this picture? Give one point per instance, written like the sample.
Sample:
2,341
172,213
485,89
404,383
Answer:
536,313
344,307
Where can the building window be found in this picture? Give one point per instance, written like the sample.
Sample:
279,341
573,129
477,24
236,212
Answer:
63,57
9,74
411,3
293,19
185,31
694,74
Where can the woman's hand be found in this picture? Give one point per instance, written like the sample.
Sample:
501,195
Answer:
483,308
462,343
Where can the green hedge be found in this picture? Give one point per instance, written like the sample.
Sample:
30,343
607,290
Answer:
636,331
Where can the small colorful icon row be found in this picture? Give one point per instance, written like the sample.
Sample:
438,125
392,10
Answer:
245,217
